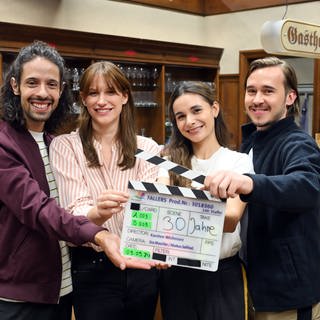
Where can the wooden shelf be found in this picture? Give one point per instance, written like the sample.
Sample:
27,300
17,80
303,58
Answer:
183,62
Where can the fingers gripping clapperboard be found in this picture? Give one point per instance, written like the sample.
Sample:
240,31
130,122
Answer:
175,225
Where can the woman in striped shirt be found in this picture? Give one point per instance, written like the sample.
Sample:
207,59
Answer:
92,167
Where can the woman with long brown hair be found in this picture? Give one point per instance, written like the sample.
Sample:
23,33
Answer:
198,141
92,167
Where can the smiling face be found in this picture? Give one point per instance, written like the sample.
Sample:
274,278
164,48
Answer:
39,90
195,117
103,104
266,99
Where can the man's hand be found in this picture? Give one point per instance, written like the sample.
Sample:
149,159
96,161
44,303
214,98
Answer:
227,184
110,243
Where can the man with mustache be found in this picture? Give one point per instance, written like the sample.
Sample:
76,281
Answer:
34,265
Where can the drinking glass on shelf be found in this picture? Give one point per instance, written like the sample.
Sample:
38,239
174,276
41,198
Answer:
69,75
147,77
75,109
128,72
144,99
168,82
155,75
121,67
137,98
168,129
140,77
134,75
75,79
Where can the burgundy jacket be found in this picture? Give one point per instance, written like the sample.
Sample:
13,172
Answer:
31,223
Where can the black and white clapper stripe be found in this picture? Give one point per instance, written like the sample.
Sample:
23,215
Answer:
170,190
170,166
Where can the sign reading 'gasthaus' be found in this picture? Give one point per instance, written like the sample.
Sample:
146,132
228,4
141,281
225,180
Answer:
293,38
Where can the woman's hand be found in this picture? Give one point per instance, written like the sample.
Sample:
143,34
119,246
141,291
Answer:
108,203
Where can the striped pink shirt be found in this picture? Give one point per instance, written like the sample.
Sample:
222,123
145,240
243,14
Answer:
79,186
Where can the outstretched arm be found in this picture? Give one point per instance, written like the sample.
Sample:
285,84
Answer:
110,243
228,184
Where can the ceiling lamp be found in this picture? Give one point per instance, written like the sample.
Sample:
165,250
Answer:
291,38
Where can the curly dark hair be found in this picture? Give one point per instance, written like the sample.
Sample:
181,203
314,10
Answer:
10,105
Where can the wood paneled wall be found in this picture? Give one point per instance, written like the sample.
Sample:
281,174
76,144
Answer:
229,104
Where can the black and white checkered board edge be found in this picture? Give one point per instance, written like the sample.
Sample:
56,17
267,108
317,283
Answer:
170,166
170,190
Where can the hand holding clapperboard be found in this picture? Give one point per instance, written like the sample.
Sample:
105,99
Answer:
175,225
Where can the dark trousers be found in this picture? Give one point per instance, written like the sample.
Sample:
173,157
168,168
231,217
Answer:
63,310
36,311
192,294
103,291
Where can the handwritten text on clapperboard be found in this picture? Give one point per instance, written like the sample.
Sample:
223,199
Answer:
173,229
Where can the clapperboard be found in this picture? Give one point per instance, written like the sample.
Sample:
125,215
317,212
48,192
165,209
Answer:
175,225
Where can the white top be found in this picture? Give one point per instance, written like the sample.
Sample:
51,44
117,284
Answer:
66,283
223,159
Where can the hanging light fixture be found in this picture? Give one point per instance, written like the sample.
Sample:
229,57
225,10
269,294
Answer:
291,38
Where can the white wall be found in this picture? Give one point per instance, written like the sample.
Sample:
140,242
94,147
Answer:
233,32
241,30
106,17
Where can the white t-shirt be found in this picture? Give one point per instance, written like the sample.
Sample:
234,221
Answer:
223,159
